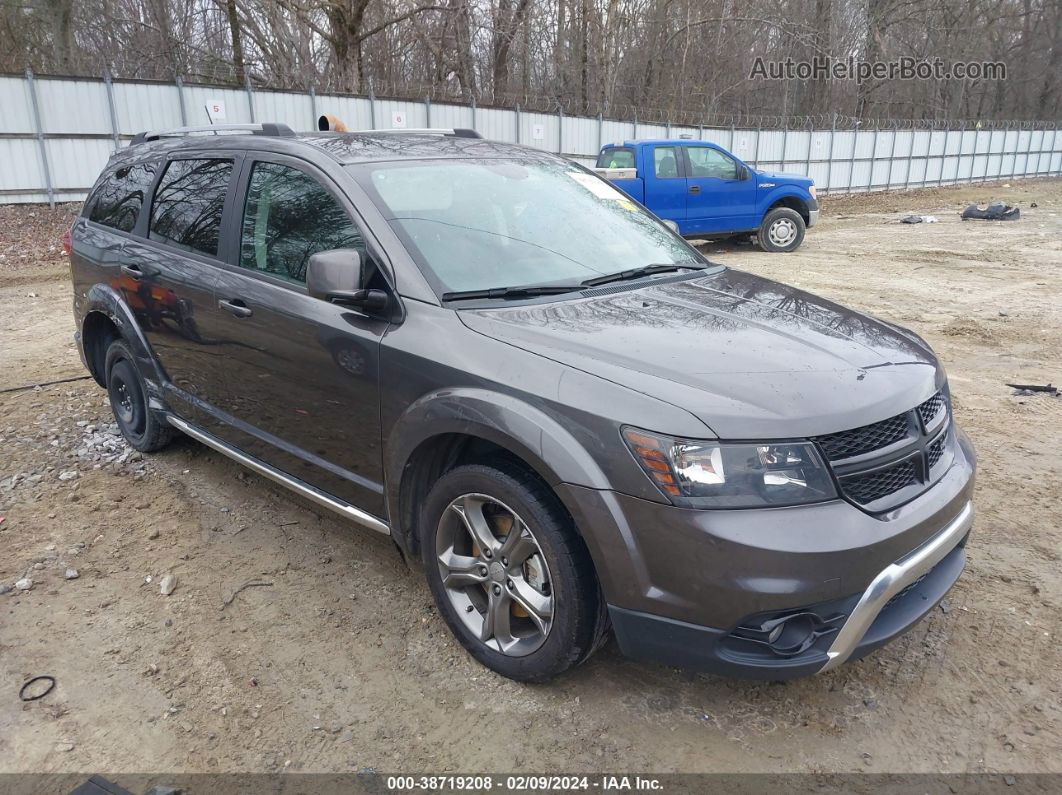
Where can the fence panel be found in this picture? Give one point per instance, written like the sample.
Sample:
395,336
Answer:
82,120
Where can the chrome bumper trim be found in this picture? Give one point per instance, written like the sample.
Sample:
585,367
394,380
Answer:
813,217
299,487
891,581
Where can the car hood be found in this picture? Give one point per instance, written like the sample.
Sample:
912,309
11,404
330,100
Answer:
749,357
795,179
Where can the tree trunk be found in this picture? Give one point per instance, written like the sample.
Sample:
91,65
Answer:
237,41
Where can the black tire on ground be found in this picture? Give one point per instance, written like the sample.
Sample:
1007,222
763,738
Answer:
781,231
128,396
578,614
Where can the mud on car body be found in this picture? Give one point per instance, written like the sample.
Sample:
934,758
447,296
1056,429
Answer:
534,387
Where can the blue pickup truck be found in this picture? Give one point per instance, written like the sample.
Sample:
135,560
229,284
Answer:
708,193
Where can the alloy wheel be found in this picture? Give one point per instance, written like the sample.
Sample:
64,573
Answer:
495,574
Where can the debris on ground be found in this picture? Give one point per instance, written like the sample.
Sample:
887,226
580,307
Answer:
167,585
24,584
71,574
248,584
918,219
995,211
1031,389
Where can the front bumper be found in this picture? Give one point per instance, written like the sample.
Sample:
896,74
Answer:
683,586
813,218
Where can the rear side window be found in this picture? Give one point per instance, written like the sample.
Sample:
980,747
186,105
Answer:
288,217
118,200
665,162
616,157
189,202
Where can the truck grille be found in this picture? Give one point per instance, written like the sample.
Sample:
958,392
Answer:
886,463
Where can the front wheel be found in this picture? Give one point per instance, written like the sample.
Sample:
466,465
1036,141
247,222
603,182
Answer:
782,230
511,577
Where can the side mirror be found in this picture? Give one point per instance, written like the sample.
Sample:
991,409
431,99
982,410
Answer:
336,276
743,173
671,225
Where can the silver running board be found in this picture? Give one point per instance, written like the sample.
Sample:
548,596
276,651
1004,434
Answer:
299,487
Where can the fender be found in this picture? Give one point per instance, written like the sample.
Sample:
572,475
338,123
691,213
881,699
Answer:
522,429
106,300
767,197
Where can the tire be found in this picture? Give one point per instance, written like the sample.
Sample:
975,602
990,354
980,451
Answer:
128,397
549,614
782,231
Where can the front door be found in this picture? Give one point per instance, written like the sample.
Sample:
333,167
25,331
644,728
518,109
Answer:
301,390
719,200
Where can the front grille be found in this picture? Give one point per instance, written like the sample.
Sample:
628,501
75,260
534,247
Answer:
929,410
870,486
936,450
865,439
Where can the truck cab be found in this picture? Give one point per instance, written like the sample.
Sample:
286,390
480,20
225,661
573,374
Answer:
709,193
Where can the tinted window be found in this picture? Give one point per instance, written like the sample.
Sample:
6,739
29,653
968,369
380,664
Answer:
665,162
188,204
118,200
708,162
288,217
616,158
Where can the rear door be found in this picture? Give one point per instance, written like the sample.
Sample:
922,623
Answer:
664,176
301,390
719,200
168,275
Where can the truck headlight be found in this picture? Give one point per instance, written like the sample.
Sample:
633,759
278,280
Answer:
701,474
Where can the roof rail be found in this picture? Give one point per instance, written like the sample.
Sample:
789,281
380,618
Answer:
457,132
268,128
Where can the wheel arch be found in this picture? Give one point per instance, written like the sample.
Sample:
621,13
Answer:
108,317
793,202
453,427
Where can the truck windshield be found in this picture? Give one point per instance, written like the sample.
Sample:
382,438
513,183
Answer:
477,225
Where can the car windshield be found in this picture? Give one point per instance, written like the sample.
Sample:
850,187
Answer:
486,224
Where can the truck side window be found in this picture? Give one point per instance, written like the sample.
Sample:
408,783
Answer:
616,157
665,162
708,162
188,204
288,217
118,200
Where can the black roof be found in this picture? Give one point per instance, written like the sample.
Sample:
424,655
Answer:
346,148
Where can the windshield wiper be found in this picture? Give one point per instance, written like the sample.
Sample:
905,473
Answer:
645,270
525,291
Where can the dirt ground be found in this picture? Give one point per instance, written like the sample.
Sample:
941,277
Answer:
340,662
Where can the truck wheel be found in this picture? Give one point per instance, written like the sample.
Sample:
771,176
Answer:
125,388
782,230
510,575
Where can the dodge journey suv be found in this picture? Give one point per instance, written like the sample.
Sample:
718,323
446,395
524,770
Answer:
534,387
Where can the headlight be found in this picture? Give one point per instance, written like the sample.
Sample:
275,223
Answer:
749,475
811,190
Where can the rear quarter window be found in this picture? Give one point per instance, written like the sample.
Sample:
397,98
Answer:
119,199
188,204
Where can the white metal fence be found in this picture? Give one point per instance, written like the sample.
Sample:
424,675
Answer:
57,133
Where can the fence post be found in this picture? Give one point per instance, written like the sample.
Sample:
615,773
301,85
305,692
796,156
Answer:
731,146
852,162
634,133
472,104
667,125
427,114
811,136
829,161
110,107
516,111
41,146
250,96
700,132
313,107
180,100
756,148
892,153
372,108
560,129
910,160
873,154
785,134
958,162
600,132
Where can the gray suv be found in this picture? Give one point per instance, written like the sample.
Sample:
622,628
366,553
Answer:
533,386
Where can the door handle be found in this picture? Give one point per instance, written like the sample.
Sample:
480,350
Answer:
695,189
132,271
236,307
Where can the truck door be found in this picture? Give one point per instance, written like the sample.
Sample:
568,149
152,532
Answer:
663,173
719,200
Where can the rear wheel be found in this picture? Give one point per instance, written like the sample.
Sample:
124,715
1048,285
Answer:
782,230
128,397
512,579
